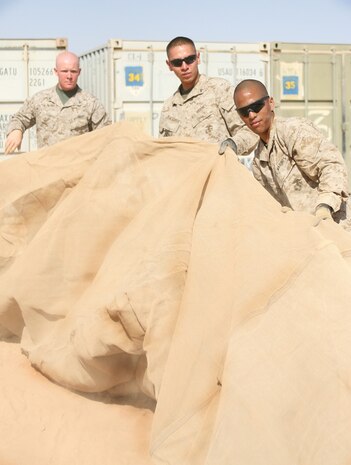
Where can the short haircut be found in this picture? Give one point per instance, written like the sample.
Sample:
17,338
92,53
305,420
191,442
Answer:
249,83
179,41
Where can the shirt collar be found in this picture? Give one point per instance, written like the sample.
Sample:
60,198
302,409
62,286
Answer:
196,90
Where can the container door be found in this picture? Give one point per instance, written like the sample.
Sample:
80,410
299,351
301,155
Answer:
306,83
142,82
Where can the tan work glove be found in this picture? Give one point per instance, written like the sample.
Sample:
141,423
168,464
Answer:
324,212
227,143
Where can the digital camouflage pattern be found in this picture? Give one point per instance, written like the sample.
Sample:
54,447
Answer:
302,169
56,121
206,113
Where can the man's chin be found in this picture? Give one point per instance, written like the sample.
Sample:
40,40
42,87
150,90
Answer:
255,129
68,88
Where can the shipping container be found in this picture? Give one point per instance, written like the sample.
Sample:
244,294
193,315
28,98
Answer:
132,79
26,67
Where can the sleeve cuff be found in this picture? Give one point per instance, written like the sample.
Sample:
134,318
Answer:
333,200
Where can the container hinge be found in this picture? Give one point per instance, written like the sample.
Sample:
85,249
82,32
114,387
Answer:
116,43
61,42
264,47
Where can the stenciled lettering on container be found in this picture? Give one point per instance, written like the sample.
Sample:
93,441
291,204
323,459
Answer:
7,72
36,71
37,76
225,72
133,56
4,121
246,73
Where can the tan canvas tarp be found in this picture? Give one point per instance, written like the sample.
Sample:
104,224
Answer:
159,266
42,423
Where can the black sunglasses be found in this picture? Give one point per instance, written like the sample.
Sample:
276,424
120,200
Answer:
256,107
177,62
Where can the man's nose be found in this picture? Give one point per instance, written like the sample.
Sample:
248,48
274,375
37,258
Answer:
184,65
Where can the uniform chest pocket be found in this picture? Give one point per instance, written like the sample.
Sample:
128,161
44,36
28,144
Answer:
76,117
283,166
202,117
48,117
80,124
169,127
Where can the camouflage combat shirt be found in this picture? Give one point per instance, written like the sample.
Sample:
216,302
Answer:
56,121
302,169
207,113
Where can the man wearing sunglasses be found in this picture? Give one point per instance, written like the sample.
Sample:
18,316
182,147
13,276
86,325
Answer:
202,107
293,160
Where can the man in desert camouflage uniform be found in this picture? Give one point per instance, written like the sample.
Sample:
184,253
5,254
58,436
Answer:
202,107
59,112
293,160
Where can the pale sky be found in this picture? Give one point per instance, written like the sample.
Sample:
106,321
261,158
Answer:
88,24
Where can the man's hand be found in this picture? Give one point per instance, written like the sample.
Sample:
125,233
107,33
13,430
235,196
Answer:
13,141
227,143
324,212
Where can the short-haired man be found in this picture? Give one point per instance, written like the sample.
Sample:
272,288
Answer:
293,160
60,112
202,107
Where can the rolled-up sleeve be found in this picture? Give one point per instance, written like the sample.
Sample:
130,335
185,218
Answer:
321,161
24,118
99,117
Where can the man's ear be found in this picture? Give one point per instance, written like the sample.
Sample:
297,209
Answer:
169,65
271,103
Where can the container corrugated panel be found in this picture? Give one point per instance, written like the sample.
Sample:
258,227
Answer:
132,79
26,67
